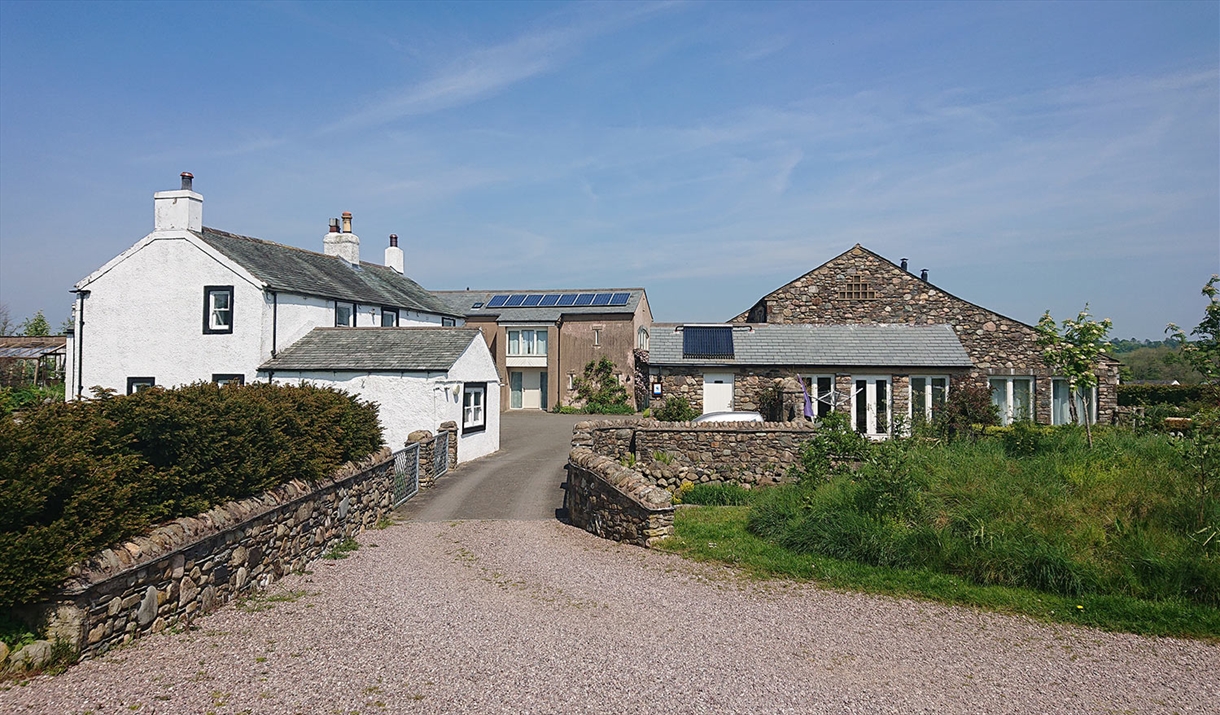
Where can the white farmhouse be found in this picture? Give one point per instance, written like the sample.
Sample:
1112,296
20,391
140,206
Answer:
189,303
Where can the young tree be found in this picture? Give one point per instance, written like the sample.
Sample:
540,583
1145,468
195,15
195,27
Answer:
36,326
1075,353
600,389
1203,353
6,321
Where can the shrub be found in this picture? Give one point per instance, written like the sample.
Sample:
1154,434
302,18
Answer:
716,495
967,411
600,390
77,477
675,409
1180,395
833,445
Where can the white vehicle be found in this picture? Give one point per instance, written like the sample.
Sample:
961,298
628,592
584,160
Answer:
728,417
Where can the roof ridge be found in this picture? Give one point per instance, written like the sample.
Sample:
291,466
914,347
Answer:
277,244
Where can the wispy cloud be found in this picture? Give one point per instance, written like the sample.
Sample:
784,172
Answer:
485,72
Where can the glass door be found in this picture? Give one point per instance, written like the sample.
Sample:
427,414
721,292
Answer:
871,405
514,387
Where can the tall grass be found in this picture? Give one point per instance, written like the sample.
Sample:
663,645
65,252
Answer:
1034,508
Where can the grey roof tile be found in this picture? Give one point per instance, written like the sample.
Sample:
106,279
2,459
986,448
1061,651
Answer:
375,349
826,345
287,268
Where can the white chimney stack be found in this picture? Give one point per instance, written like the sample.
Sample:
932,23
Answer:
178,210
393,254
342,242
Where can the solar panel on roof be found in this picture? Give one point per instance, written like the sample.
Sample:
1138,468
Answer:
532,300
707,342
567,299
620,298
514,301
602,299
584,299
548,300
497,301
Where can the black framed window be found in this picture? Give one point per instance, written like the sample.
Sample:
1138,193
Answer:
345,314
225,378
217,309
448,322
474,407
135,384
389,317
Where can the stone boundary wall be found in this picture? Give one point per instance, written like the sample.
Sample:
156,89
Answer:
615,502
670,454
427,452
193,565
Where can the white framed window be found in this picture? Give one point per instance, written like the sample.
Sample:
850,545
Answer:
223,379
474,418
821,390
870,404
217,309
928,395
641,338
597,336
1014,396
1062,397
527,342
135,384
345,314
389,317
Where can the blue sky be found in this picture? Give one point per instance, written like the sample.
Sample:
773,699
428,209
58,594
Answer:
1032,156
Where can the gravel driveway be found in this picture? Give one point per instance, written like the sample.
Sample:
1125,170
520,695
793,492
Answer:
535,616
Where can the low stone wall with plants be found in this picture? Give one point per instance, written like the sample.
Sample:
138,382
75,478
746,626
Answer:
616,502
670,454
195,564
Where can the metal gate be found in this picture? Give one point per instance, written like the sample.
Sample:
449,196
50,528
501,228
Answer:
440,454
406,474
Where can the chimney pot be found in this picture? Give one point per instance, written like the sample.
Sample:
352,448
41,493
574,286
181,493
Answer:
394,240
347,222
394,257
187,178
904,265
923,275
334,225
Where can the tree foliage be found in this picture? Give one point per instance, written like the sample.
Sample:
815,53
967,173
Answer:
35,326
600,389
1073,350
1203,353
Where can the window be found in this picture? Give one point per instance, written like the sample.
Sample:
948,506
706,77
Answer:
345,314
473,417
135,384
597,336
871,405
857,289
928,396
641,338
1061,404
223,379
821,390
571,381
389,317
1015,398
527,342
217,309
448,322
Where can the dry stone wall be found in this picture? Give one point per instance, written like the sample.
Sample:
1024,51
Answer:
195,564
614,502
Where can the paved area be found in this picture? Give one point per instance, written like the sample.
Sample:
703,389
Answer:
532,616
522,481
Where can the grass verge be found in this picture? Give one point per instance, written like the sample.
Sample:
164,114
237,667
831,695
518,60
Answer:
719,534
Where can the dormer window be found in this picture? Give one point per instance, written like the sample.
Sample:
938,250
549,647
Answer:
345,314
389,317
857,289
217,309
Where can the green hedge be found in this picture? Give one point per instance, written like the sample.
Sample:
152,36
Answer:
1129,395
77,477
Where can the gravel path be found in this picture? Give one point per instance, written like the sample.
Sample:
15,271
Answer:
538,617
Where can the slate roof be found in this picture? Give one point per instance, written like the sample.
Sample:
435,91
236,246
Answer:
824,345
463,300
375,349
295,270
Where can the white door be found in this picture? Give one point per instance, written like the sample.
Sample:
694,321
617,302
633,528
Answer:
870,404
717,392
531,390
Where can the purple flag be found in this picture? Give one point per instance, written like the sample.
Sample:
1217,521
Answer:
808,400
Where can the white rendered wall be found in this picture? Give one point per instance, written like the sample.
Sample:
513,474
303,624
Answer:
477,365
144,318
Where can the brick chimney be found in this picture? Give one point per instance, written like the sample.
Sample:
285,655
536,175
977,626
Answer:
342,242
393,254
180,210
